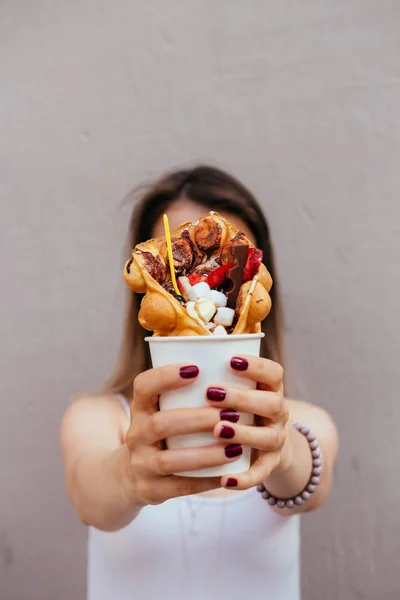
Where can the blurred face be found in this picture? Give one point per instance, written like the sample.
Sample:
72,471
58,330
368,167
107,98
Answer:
186,210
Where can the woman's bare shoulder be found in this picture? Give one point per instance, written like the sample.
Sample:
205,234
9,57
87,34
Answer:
99,403
104,399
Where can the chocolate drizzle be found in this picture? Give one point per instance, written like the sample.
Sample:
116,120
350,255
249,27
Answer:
235,274
153,265
128,264
198,255
183,254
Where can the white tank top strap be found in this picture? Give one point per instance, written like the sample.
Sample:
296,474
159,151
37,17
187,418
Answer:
124,402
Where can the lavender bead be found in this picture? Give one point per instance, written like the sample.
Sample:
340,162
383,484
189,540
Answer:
314,479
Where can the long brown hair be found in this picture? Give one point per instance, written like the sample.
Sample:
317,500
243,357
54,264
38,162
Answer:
215,190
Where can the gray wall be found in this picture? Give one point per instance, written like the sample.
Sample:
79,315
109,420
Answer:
301,100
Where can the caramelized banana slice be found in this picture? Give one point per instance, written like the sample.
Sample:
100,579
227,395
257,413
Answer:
182,252
208,234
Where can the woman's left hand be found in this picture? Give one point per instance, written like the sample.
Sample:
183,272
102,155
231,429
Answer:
268,439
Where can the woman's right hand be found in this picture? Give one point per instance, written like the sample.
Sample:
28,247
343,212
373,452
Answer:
150,466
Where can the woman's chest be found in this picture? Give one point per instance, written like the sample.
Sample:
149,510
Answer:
237,533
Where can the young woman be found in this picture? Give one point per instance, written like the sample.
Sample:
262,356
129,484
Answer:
156,535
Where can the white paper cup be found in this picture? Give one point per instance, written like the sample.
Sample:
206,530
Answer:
212,354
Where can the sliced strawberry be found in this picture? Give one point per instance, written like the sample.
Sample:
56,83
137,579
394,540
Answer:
184,285
254,260
180,286
218,275
193,279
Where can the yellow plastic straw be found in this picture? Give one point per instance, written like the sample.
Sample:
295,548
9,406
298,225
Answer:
170,256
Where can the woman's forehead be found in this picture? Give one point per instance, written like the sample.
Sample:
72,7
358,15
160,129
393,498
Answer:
186,210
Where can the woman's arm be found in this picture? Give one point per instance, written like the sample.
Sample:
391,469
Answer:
296,462
96,462
282,459
112,475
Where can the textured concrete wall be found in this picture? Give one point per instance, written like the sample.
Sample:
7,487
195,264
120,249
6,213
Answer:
301,100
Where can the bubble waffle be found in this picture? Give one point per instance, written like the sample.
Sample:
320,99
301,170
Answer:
224,287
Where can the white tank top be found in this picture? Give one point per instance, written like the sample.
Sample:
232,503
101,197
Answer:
196,548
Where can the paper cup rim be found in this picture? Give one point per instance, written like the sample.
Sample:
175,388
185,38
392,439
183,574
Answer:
203,338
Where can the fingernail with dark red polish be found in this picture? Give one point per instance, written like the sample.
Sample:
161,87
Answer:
189,372
227,432
239,364
229,415
231,482
233,450
216,394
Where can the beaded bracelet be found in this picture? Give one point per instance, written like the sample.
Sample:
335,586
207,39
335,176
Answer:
313,481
